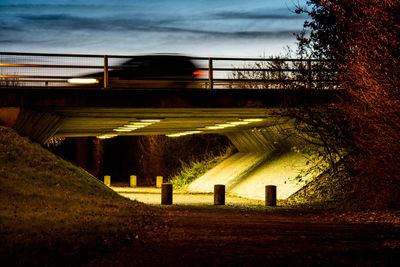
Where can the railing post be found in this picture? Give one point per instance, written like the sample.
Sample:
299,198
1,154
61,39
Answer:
105,71
309,76
210,73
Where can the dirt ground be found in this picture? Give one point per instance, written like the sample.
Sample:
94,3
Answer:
241,234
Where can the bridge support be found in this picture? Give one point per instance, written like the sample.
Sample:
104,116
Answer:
39,126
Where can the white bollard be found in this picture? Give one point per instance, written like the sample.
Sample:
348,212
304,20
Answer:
159,181
107,180
133,181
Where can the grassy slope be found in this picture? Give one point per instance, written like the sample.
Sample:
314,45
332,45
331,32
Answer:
54,211
329,192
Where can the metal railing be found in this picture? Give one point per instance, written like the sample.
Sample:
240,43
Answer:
271,73
53,70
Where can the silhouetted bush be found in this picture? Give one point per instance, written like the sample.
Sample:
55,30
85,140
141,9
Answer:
363,38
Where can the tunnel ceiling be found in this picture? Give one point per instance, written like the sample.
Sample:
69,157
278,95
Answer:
160,121
107,113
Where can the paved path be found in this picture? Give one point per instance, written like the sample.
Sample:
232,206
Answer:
151,195
253,235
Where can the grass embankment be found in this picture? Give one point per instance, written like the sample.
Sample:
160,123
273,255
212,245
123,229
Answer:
53,212
324,191
339,191
195,169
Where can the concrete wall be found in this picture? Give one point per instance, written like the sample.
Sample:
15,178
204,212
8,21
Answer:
264,158
269,139
39,126
9,115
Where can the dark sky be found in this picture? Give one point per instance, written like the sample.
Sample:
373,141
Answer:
198,28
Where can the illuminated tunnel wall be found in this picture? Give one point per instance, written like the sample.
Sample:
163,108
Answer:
265,157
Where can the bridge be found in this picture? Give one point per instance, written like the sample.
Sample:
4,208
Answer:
235,97
230,96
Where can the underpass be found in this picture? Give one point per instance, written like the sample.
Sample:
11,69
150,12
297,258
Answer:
248,116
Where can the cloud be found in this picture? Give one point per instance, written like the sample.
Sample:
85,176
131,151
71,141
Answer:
136,27
259,15
69,22
63,22
231,34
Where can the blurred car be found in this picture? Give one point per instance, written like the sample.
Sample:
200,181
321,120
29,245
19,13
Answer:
149,71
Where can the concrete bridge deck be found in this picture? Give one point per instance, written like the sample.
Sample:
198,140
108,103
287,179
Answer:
45,112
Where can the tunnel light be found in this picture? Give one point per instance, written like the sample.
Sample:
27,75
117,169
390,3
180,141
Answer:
215,127
123,130
192,132
127,128
83,81
142,123
239,122
150,120
106,136
174,135
229,124
183,133
226,125
253,120
133,127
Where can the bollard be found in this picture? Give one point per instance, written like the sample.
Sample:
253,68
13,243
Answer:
166,194
133,181
159,181
270,195
107,180
219,194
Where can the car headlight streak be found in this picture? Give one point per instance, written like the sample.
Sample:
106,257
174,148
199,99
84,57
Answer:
83,81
